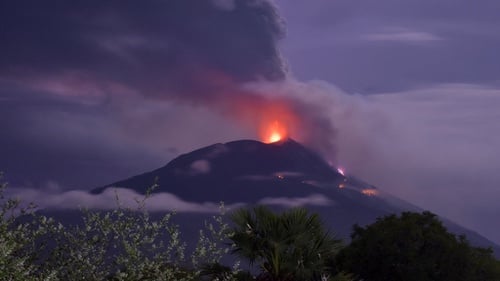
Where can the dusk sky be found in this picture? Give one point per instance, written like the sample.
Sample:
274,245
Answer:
402,94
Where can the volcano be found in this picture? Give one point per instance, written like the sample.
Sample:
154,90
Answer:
282,174
239,171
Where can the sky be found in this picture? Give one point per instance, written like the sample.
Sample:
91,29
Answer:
403,94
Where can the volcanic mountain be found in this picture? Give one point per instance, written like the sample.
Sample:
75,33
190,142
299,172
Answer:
281,174
239,171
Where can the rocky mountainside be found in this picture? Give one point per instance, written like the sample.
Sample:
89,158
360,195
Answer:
282,174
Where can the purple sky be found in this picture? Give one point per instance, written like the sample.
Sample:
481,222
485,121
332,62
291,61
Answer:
402,94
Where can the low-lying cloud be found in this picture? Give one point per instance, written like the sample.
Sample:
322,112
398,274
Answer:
402,35
290,202
112,198
52,197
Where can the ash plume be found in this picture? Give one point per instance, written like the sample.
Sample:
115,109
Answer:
191,53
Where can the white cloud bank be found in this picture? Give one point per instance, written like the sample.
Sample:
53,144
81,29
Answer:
402,35
313,200
52,197
111,198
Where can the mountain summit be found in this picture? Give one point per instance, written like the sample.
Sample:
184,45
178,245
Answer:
282,174
238,170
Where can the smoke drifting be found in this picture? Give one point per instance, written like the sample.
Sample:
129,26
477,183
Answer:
220,55
180,48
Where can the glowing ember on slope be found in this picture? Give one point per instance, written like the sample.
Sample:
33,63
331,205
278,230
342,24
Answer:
341,171
369,192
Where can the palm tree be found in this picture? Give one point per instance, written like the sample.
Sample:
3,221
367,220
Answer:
293,245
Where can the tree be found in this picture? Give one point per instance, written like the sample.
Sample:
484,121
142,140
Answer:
121,244
23,237
414,246
293,245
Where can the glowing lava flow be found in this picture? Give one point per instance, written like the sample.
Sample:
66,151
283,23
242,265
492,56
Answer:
341,171
369,192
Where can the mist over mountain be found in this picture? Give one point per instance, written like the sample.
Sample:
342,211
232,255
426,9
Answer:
282,174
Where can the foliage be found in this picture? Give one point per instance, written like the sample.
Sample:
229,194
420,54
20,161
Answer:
212,243
414,246
122,244
292,245
21,241
119,245
131,244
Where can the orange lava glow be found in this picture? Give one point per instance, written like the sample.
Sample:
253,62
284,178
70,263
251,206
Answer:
277,122
274,132
369,192
274,120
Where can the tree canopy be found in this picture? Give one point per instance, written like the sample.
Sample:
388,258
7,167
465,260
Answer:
414,246
293,245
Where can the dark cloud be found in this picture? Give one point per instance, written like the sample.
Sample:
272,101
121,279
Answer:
157,47
198,53
45,138
76,79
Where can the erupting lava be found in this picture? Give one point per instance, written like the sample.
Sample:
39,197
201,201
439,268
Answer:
275,120
275,137
274,132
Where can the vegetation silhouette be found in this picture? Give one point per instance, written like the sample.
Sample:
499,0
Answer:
415,246
130,244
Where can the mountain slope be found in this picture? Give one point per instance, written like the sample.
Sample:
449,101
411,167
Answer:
239,170
281,174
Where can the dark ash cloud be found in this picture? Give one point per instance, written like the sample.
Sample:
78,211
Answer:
155,47
92,89
112,71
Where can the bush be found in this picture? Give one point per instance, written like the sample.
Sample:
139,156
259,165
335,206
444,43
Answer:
122,244
415,246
